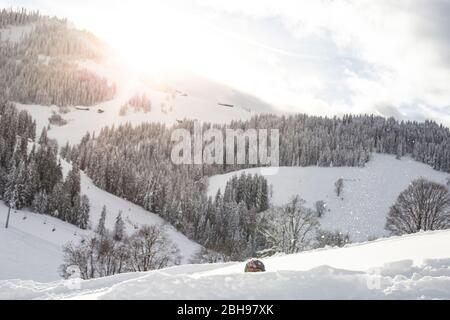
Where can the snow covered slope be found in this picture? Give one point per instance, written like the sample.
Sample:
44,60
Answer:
367,195
409,267
169,103
32,246
14,33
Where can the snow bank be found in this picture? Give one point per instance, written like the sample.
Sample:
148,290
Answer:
409,267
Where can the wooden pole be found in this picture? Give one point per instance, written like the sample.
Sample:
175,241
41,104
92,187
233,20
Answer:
7,218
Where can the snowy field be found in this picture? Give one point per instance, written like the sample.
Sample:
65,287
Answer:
409,267
367,195
32,246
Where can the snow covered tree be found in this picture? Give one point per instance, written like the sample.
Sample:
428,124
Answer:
40,202
72,183
119,228
83,214
423,206
339,186
16,187
333,239
101,229
321,208
292,228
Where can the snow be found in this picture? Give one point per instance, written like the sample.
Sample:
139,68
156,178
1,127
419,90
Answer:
409,267
14,33
31,248
367,195
193,106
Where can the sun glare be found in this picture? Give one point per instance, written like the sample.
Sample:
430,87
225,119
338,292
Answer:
153,38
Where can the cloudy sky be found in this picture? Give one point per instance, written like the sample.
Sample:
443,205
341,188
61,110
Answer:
390,57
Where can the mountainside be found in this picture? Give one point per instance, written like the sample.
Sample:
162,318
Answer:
31,248
49,67
368,192
408,267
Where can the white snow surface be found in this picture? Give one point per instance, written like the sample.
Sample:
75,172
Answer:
31,248
367,195
14,33
409,267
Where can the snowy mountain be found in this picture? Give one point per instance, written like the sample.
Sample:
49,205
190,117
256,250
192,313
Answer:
172,96
169,104
367,193
409,267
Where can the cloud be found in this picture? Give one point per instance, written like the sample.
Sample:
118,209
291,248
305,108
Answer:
321,57
387,53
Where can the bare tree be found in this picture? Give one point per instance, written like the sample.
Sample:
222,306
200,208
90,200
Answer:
100,256
149,248
424,205
95,257
293,227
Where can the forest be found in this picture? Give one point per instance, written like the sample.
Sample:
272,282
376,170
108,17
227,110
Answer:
42,67
31,174
134,163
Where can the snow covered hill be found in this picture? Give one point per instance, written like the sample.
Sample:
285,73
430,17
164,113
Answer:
169,104
32,246
367,195
173,96
409,267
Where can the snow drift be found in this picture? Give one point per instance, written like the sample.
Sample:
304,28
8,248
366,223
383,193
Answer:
409,267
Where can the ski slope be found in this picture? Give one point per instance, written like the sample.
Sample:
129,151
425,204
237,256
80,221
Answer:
367,195
409,267
31,248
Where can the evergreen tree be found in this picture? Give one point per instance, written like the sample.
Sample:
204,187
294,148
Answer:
101,229
72,184
119,228
40,202
83,216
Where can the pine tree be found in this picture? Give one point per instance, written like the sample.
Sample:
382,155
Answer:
40,202
11,195
119,228
72,184
83,216
16,188
101,229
